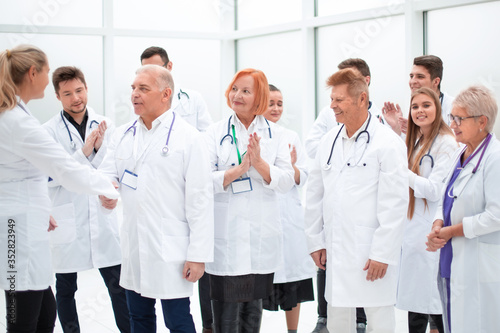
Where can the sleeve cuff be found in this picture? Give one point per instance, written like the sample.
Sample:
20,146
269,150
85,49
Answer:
411,179
467,226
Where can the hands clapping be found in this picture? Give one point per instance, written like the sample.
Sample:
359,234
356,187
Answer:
94,140
394,117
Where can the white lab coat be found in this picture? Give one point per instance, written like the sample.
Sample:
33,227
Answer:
357,213
87,235
475,268
247,225
190,105
446,107
168,219
28,156
297,263
417,287
324,123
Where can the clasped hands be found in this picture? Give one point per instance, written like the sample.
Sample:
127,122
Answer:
438,236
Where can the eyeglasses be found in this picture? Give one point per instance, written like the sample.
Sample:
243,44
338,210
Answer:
458,120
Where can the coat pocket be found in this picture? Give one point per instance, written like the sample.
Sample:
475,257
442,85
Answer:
66,225
175,240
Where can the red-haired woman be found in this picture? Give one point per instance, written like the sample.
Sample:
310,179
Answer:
250,162
430,144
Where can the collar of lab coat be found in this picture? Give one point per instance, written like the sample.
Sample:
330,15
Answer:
92,115
164,120
361,128
258,122
467,170
20,102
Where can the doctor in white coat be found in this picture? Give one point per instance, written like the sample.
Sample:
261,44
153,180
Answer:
467,225
430,145
427,71
293,283
250,163
28,156
87,235
356,205
162,165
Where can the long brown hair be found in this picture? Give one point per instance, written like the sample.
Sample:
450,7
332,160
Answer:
414,136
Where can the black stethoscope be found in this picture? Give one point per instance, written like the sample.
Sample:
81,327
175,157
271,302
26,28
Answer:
164,149
72,143
328,164
230,137
428,154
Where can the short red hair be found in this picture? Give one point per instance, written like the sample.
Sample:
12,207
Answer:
261,88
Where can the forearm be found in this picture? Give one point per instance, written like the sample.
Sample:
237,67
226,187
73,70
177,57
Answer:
232,174
296,175
263,169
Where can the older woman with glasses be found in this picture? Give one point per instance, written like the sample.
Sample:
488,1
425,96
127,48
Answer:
467,225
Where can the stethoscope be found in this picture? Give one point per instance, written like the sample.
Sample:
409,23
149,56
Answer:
165,149
72,143
328,164
482,149
230,137
179,97
428,154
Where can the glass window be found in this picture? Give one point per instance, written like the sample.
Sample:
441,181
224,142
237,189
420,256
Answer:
381,43
332,7
466,48
33,14
84,52
279,57
175,15
259,13
196,66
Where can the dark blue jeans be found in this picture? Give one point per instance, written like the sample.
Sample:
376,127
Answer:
66,287
176,314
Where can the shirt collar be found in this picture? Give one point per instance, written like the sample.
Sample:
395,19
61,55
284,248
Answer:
360,129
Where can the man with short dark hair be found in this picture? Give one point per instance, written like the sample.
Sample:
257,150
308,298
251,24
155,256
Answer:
427,71
187,103
86,236
356,205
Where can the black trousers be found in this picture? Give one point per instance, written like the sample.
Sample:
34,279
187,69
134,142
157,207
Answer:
417,322
66,287
232,317
322,304
205,304
32,311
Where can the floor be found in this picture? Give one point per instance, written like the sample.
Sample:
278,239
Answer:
94,311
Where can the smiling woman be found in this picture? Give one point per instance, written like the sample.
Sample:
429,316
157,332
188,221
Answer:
430,144
250,164
28,155
466,226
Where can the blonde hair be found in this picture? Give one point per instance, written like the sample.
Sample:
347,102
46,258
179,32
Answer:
14,64
413,136
478,101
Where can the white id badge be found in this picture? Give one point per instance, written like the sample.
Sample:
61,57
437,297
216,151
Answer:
241,185
129,179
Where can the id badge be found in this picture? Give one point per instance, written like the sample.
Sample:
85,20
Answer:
241,185
129,179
